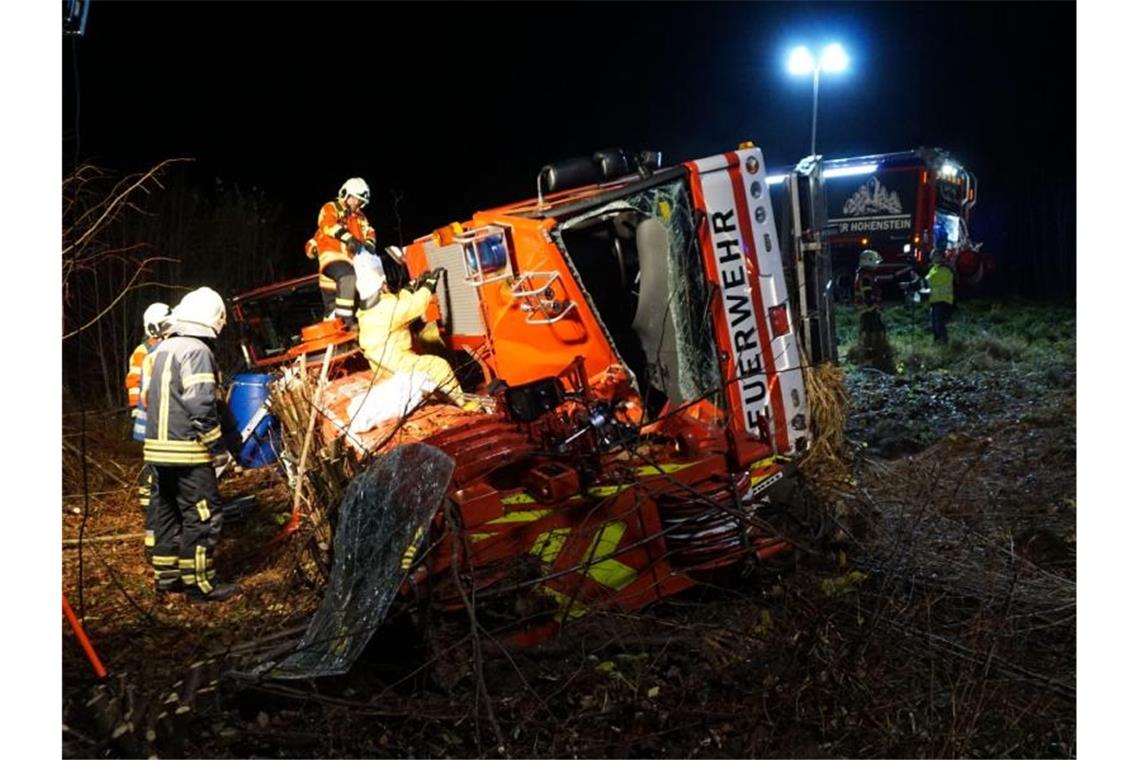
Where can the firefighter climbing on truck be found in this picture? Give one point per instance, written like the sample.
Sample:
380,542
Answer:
342,232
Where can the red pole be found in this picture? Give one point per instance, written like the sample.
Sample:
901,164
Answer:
83,640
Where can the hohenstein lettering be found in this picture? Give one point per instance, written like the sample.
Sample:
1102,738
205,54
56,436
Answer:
743,331
887,224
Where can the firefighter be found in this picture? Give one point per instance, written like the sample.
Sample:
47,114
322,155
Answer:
869,294
385,326
342,232
185,441
155,322
873,347
941,281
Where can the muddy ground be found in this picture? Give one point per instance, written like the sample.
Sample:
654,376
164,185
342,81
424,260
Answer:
937,617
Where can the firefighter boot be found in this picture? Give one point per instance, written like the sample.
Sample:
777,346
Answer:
219,592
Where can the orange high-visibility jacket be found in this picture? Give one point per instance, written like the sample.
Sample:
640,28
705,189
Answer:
135,371
336,225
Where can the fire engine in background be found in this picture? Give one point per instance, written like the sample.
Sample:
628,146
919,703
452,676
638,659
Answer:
639,338
904,206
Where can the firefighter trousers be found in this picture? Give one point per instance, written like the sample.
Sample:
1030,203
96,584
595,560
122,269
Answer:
435,367
146,486
340,302
186,519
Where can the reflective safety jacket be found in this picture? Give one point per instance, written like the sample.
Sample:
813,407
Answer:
136,385
336,225
184,423
868,290
941,281
383,323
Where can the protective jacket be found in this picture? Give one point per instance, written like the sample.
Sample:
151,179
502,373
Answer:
385,338
336,227
183,425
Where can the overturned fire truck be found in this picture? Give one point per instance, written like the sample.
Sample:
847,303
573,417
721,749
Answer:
637,339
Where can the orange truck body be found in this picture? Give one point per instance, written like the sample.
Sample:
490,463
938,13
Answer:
650,467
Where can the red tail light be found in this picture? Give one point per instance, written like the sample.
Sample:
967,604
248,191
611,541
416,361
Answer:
778,316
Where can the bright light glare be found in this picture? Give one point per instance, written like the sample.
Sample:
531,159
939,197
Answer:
850,171
801,61
834,58
948,170
775,179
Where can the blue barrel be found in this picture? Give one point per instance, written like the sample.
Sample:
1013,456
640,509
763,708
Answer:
248,394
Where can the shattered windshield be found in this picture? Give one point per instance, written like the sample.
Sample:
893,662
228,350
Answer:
638,259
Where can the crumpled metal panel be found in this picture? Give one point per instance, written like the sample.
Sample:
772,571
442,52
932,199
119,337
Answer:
385,509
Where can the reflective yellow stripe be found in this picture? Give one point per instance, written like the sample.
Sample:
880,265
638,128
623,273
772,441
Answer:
203,510
576,610
200,568
179,447
212,435
524,516
345,302
661,469
166,457
608,572
550,543
149,539
164,402
186,564
518,498
202,378
163,560
410,552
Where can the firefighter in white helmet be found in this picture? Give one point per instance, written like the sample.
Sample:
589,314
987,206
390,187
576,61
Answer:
385,326
342,232
184,442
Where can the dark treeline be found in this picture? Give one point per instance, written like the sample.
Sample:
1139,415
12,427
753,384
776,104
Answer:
169,236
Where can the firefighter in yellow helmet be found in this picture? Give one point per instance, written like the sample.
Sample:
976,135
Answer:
185,441
940,278
342,232
384,320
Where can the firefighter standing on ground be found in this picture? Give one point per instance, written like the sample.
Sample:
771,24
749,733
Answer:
155,322
384,322
874,348
184,442
941,281
342,232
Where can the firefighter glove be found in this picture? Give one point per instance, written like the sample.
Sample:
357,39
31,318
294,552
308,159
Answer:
353,246
431,279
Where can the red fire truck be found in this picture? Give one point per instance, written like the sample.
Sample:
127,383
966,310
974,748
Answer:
904,206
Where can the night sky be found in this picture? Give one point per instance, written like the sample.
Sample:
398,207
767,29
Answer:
458,106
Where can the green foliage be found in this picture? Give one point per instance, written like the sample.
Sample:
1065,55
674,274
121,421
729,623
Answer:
984,336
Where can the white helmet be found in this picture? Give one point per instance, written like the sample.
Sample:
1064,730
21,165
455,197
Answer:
202,307
870,258
357,188
156,319
369,275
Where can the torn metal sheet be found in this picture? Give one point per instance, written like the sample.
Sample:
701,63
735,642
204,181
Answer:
384,511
